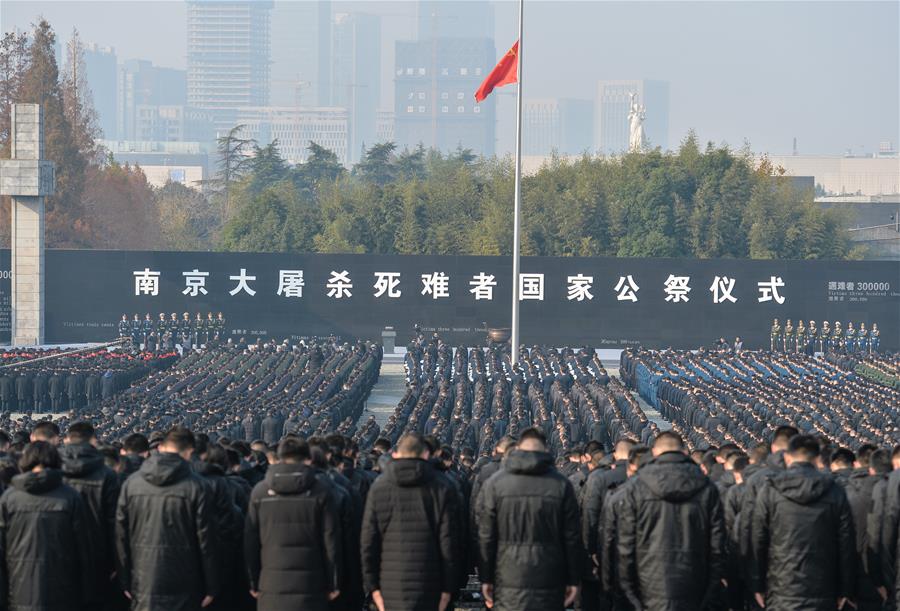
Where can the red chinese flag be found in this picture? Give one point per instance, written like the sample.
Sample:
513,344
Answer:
505,72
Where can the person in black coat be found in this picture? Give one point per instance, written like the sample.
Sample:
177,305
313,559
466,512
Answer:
600,483
165,535
292,536
7,392
229,527
85,471
46,552
802,538
409,558
24,393
529,536
671,539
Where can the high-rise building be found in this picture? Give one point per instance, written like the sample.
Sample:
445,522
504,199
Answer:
356,76
454,19
142,84
561,125
613,105
295,128
435,78
384,127
227,55
172,124
434,103
301,53
102,73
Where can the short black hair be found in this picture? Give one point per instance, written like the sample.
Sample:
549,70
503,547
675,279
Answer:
638,456
532,432
179,437
45,430
785,433
216,455
40,453
740,463
760,453
670,439
136,444
293,450
412,443
80,432
804,446
864,453
843,456
880,462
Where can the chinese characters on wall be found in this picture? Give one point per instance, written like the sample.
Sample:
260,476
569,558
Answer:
436,285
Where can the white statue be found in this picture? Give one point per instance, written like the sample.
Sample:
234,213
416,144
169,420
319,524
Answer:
636,118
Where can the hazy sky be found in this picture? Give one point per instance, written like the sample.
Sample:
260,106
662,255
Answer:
825,72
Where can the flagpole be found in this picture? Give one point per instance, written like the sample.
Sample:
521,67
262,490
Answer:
517,207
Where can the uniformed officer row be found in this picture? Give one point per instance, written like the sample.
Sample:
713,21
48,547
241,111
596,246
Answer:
810,339
165,333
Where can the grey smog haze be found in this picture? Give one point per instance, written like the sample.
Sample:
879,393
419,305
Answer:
763,72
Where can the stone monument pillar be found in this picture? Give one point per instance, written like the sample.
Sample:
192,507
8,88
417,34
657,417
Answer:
27,177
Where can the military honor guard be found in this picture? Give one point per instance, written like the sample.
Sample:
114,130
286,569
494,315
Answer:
800,343
775,335
825,337
862,338
124,327
812,338
850,338
147,332
788,335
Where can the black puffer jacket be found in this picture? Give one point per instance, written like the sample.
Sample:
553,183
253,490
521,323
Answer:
46,554
599,483
859,487
671,536
165,537
408,548
228,520
529,534
803,543
292,540
85,471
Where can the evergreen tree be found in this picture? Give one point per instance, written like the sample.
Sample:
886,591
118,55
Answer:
65,222
78,100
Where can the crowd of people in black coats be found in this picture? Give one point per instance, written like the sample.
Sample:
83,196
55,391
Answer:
50,381
545,479
713,399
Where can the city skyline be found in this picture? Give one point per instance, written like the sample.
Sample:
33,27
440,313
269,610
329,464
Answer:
816,93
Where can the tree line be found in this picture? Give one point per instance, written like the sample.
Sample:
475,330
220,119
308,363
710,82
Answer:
704,202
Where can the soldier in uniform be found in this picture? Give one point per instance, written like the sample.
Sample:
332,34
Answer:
124,327
850,335
147,329
220,328
174,328
136,335
837,337
162,331
775,335
788,335
825,338
210,328
801,337
198,330
813,338
875,336
862,338
186,330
